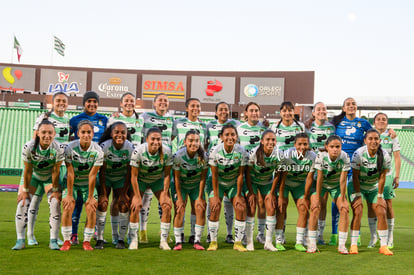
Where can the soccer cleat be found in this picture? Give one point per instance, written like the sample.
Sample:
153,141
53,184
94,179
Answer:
143,236
213,246
87,246
239,247
260,238
66,246
20,244
164,246
359,240
312,249
32,241
59,242
133,245
191,239
53,244
198,246
321,242
342,250
384,250
74,239
229,239
208,240
280,247
269,247
390,245
250,246
178,247
334,240
353,249
372,242
300,247
120,245
99,244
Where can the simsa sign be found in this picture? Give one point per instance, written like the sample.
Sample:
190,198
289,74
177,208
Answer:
174,86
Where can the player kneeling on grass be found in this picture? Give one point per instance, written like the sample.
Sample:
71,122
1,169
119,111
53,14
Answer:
115,174
227,161
83,159
190,170
42,158
370,165
332,166
298,162
150,168
263,160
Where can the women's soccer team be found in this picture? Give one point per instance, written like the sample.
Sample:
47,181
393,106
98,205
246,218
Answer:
251,167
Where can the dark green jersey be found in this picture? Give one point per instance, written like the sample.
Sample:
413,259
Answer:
190,168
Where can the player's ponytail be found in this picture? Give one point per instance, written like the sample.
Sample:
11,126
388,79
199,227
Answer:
37,138
380,158
107,133
160,152
337,119
260,151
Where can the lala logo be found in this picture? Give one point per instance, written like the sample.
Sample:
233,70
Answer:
213,87
63,86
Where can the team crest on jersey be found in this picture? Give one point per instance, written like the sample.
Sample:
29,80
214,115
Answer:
124,156
91,158
100,123
359,124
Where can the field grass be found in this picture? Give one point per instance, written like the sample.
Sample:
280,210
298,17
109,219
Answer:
149,259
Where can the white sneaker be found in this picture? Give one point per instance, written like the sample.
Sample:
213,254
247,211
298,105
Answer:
133,245
269,247
250,246
164,246
261,239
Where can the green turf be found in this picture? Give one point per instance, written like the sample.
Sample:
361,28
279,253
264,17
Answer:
149,259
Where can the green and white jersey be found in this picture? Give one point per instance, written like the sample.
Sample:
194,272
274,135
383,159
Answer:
83,161
285,135
151,168
116,160
250,136
367,166
43,160
214,128
134,125
332,169
182,125
190,168
228,163
390,145
297,166
318,134
61,126
164,123
263,175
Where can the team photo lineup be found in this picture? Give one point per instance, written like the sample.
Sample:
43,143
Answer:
247,168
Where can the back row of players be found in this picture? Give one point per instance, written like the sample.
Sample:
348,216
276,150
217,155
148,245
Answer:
250,165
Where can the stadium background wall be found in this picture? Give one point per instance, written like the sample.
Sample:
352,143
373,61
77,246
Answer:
297,86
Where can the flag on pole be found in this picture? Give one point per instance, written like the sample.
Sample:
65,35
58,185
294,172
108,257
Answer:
18,48
59,46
